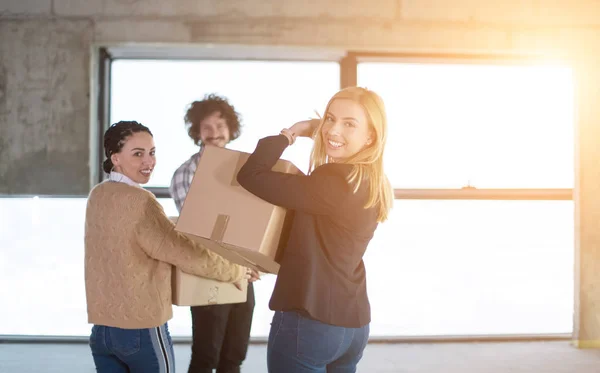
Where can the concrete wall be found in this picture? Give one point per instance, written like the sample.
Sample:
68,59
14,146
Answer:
45,53
44,106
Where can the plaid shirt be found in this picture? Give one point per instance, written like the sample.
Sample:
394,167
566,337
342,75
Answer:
182,179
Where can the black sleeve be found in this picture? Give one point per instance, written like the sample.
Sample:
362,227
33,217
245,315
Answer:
320,193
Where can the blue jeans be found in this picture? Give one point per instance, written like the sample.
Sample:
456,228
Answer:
300,345
118,350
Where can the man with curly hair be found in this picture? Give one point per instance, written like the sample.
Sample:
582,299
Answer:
220,333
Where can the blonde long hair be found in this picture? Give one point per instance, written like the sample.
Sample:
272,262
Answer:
368,163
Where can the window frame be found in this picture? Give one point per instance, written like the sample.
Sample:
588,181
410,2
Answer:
349,60
350,77
207,52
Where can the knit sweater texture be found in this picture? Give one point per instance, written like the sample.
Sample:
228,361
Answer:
130,248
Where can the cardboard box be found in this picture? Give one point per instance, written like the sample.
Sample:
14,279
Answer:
228,219
190,290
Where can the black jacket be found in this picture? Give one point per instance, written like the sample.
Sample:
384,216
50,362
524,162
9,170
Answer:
322,273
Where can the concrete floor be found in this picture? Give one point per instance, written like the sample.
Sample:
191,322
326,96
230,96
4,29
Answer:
488,357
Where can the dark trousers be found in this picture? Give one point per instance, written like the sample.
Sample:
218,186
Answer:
220,336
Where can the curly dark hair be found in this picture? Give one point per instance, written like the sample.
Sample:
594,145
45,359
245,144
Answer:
198,110
115,137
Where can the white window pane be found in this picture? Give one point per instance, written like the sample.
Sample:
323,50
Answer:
168,206
436,267
41,265
472,267
490,126
269,95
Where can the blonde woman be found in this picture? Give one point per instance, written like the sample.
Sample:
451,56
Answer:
322,317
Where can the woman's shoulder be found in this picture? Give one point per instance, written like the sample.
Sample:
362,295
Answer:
120,193
340,169
339,174
334,177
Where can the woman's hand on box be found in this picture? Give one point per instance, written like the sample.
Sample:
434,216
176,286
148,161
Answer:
254,275
251,276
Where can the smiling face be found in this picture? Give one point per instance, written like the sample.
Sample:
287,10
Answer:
214,130
136,160
345,130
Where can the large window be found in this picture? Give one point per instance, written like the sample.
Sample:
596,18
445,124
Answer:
475,266
41,265
480,240
489,126
269,95
442,267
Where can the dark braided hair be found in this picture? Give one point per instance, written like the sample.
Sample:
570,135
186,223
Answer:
198,110
115,137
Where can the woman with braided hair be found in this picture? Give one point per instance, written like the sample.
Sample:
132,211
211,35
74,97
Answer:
130,246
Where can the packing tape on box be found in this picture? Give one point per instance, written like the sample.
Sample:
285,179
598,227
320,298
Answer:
219,228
